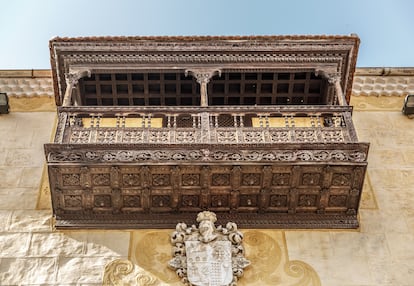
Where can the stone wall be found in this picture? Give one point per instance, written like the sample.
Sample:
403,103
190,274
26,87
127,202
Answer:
379,253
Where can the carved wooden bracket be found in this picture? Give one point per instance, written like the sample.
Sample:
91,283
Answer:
72,79
334,79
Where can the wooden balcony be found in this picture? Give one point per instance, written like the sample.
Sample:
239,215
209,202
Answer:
267,166
152,130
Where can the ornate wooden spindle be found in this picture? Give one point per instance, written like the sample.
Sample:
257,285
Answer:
149,120
267,121
241,121
98,120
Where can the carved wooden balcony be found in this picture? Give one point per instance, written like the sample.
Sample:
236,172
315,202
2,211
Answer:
280,166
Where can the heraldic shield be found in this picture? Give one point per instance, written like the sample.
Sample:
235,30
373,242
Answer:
209,264
208,255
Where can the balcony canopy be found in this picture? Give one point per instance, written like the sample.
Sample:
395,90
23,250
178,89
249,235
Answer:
169,71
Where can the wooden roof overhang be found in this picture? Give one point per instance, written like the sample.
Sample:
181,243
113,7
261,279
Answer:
332,56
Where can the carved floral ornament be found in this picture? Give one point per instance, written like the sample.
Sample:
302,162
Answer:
208,255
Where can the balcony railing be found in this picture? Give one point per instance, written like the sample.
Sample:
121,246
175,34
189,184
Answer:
209,125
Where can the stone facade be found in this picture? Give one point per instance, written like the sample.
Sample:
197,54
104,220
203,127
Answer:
378,253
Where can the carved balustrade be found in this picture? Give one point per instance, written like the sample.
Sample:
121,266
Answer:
208,125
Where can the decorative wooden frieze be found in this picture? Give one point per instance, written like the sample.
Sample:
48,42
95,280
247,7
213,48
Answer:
160,155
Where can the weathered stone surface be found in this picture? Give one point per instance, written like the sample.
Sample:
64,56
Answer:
55,244
3,153
30,221
7,138
384,248
82,270
108,243
18,198
5,217
27,176
39,103
14,244
10,177
22,158
27,271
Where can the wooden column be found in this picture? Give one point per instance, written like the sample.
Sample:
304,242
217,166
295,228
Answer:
203,77
72,79
334,81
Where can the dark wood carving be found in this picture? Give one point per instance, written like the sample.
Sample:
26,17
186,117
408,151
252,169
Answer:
298,187
153,131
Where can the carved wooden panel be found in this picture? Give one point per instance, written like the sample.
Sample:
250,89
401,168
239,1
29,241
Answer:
85,194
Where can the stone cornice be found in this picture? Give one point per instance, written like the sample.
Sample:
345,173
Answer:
367,82
26,83
385,71
383,82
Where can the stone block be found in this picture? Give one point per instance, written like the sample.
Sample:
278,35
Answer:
18,198
5,218
399,245
10,177
108,243
14,139
27,271
31,177
14,244
30,221
55,244
79,270
23,158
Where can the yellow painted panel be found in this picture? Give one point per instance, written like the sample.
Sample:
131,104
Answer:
129,122
281,122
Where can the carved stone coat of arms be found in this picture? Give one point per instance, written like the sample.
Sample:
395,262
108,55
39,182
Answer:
208,255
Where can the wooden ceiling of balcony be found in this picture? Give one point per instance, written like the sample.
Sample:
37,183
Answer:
176,89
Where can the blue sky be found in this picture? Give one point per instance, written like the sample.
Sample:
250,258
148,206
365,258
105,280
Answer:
386,28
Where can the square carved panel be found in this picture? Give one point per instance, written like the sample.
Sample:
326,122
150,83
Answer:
190,201
307,200
281,179
102,201
311,179
220,179
160,180
190,179
132,201
251,179
72,201
337,200
248,200
70,179
278,201
131,180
